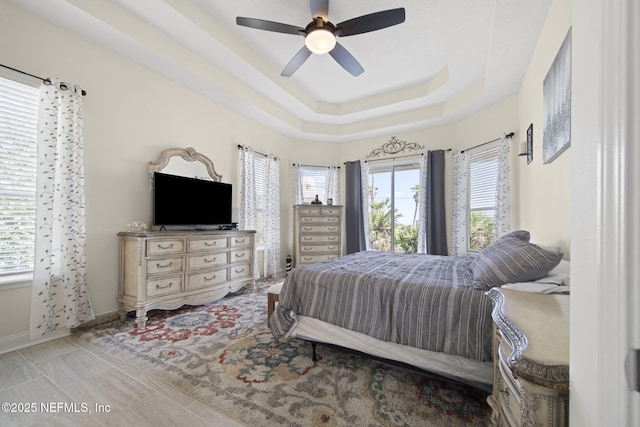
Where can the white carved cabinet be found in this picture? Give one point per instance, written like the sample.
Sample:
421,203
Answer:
318,233
168,269
531,359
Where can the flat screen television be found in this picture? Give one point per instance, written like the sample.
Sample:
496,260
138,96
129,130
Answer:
198,203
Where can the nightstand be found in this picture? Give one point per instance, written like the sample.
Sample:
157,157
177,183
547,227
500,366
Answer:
531,359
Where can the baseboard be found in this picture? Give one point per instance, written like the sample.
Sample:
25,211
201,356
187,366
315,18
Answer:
101,319
22,340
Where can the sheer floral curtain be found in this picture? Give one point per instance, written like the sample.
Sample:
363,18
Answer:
502,223
272,217
60,298
298,196
460,203
332,189
247,213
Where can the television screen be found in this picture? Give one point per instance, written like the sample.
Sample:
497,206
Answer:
179,200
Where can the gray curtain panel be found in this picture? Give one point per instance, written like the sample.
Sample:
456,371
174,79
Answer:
435,206
353,208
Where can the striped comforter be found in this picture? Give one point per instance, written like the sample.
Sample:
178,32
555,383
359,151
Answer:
424,301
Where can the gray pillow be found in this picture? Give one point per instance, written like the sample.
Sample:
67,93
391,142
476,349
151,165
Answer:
512,259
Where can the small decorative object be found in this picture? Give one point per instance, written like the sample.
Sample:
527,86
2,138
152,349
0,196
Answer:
330,201
137,226
316,201
527,148
556,131
289,262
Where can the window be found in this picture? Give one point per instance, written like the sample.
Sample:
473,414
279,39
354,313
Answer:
393,207
314,182
483,181
18,160
259,168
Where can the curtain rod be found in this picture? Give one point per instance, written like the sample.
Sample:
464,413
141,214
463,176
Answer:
242,147
46,81
400,157
314,166
508,135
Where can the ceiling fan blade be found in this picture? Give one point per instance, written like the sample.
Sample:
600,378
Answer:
371,22
346,60
319,8
277,27
296,62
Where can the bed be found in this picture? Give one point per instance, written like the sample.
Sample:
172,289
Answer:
427,311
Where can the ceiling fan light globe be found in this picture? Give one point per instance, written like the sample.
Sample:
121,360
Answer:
320,41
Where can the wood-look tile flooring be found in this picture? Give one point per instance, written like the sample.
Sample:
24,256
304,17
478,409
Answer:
68,382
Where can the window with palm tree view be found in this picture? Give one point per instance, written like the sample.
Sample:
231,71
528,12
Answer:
393,207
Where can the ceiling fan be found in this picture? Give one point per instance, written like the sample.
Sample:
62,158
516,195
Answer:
320,35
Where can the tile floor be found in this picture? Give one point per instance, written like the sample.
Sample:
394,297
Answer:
68,382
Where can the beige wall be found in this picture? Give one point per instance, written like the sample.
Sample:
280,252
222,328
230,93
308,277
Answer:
545,190
131,114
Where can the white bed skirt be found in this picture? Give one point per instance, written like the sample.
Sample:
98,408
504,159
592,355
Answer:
474,372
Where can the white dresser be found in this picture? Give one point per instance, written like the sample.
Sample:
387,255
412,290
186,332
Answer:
317,233
168,269
531,359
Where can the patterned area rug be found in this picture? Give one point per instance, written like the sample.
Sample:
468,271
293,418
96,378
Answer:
224,355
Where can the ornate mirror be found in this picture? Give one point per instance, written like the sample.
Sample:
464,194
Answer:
184,162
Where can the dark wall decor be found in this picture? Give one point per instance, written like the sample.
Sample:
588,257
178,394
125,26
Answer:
395,146
529,152
556,133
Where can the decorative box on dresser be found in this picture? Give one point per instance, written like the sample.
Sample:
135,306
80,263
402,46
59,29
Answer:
317,233
531,359
168,269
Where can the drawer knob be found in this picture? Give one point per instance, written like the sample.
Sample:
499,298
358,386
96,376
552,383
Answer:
163,266
164,287
164,248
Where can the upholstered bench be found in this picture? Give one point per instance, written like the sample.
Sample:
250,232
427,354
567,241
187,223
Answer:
272,298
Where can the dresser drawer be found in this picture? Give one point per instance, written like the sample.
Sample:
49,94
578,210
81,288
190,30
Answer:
206,279
163,286
238,256
197,262
319,220
238,271
319,229
164,246
164,265
240,241
212,243
319,238
311,210
312,259
508,397
331,211
306,249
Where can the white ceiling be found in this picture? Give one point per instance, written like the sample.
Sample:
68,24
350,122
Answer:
449,58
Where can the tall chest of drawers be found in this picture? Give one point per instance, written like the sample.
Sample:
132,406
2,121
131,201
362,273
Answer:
317,233
166,270
531,359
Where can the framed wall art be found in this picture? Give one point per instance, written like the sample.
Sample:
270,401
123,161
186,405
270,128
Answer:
556,131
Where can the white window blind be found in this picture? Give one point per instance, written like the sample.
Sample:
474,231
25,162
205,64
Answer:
18,144
483,180
314,182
